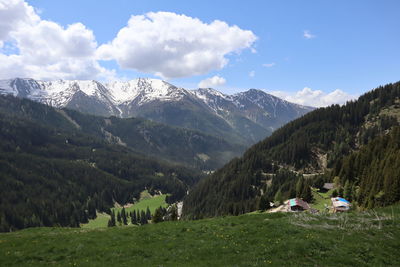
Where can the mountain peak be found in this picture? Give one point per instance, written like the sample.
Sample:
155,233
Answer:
144,90
209,91
249,115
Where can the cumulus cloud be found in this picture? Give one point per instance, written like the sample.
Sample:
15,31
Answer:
44,49
212,82
163,43
252,74
15,14
170,45
315,98
307,34
269,65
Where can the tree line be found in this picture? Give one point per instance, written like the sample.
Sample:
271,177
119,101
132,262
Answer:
141,217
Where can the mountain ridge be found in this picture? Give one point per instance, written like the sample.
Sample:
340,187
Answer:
244,118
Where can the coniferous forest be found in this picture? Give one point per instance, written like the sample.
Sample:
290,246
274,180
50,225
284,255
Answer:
357,142
53,175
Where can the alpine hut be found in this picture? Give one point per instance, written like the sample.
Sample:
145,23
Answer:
340,204
297,204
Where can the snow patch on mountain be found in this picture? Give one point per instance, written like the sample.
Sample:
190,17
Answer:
124,98
6,88
144,91
214,99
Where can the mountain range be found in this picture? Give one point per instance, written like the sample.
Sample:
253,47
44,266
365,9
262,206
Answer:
243,118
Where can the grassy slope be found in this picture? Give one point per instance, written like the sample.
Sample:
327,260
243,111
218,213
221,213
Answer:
321,199
151,202
353,239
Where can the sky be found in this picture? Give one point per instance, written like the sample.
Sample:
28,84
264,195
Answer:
309,52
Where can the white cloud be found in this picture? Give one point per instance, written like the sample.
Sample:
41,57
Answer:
337,97
307,34
171,45
165,44
15,14
316,98
43,49
252,74
269,65
212,82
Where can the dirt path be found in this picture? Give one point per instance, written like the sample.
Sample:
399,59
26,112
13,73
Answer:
281,208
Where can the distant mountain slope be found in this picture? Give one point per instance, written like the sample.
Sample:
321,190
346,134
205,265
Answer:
313,144
53,174
244,118
188,147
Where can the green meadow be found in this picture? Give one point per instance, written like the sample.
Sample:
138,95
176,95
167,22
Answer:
262,239
321,200
146,200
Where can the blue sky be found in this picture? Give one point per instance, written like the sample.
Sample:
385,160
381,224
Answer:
351,45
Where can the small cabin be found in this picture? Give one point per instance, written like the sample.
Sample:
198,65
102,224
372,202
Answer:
327,187
340,204
297,204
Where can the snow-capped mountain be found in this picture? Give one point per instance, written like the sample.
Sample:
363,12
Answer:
144,90
245,117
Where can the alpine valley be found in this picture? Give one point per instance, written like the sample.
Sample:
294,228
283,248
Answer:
199,133
55,151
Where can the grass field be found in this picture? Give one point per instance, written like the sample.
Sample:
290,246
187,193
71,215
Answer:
279,239
321,199
146,201
153,203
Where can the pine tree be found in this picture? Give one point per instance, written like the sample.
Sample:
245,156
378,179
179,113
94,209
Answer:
263,204
138,218
133,217
347,191
84,217
334,193
148,214
340,192
123,216
119,219
300,186
113,218
158,215
354,192
307,194
164,211
174,213
143,218
278,197
91,209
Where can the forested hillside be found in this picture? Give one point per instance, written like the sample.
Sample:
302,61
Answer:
178,145
313,144
374,171
53,175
